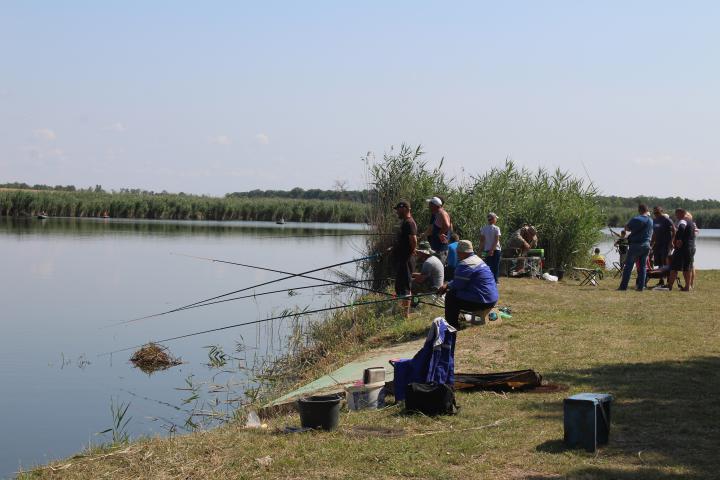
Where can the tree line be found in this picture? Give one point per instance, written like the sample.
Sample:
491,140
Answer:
616,210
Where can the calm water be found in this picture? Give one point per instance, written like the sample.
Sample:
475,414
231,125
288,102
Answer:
65,282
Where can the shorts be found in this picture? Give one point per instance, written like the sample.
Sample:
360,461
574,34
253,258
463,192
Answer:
682,260
660,254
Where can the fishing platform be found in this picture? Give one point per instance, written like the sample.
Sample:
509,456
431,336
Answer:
335,381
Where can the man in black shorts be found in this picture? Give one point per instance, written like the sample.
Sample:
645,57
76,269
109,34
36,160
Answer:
403,253
684,254
662,238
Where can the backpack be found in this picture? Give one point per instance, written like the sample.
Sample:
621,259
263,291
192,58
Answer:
430,399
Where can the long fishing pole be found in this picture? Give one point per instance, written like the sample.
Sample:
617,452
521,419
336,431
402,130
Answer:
355,260
317,285
287,315
370,290
312,235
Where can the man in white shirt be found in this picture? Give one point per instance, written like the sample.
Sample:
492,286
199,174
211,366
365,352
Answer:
431,275
490,240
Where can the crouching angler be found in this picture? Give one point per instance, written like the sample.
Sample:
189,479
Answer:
473,288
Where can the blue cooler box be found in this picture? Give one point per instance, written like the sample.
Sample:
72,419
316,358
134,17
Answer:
586,418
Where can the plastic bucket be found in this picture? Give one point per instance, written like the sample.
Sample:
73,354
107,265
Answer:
320,411
363,396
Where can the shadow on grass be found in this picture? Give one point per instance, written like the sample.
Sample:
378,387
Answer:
590,473
667,410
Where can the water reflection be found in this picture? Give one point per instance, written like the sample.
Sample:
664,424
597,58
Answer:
65,282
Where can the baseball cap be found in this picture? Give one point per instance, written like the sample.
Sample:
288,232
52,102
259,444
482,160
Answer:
493,215
402,204
435,201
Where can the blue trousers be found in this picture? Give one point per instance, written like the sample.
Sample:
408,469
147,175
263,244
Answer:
493,261
640,253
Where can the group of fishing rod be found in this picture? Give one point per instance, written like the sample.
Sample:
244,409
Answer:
231,296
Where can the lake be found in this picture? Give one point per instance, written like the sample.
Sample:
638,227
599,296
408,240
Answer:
66,282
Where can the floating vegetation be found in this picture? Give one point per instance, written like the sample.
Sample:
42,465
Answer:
153,357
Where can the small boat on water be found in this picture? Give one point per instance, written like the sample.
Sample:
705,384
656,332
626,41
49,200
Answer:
42,216
281,221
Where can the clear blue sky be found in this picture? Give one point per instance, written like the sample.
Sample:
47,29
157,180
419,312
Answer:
213,97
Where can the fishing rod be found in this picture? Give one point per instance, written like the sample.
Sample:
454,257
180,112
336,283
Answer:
329,235
355,260
370,290
317,285
279,317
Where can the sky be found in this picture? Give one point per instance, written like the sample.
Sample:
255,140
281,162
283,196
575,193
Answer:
223,96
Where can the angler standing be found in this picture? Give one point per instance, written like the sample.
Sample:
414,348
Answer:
403,253
440,229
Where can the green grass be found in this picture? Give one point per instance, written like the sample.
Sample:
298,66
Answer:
658,353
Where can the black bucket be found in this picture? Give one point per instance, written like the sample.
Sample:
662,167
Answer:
320,411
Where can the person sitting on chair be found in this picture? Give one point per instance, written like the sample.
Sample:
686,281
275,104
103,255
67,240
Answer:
520,243
598,259
431,276
473,288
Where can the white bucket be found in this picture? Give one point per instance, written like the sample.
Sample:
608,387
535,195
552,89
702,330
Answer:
363,396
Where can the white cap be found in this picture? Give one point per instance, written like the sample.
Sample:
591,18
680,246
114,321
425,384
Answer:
435,201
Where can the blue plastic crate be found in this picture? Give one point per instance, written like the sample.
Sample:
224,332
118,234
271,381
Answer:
586,419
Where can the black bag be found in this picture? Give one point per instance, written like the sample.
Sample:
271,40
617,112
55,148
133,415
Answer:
430,398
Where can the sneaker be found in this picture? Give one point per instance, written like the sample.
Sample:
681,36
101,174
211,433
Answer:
661,288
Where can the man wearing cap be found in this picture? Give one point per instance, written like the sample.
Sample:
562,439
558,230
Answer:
490,240
439,230
432,273
403,252
521,242
473,288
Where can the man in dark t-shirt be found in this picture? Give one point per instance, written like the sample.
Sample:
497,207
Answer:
684,255
403,252
662,237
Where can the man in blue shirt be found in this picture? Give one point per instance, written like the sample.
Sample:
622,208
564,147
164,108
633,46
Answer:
473,288
641,230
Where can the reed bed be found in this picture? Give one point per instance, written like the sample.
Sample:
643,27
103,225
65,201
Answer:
565,209
177,207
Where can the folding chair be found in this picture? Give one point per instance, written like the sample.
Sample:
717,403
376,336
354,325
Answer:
589,276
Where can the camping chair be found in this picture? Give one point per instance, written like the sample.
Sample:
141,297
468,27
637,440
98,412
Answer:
588,276
657,274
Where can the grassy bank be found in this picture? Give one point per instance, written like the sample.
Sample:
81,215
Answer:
169,206
657,352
